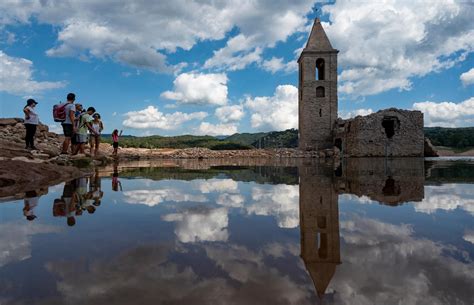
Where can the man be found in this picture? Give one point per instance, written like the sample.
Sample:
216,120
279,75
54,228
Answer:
68,124
77,114
84,124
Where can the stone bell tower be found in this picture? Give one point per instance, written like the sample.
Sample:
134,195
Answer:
317,100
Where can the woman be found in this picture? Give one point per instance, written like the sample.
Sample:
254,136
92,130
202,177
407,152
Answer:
94,139
31,121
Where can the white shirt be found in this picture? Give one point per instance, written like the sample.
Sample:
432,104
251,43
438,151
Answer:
33,116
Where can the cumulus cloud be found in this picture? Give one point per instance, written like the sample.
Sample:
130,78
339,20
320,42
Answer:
276,64
157,196
199,88
231,200
15,240
447,114
151,117
446,197
139,33
280,201
467,78
215,185
230,113
209,129
277,112
383,45
200,224
389,264
354,113
16,77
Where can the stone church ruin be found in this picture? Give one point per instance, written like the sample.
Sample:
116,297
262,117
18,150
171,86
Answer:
386,133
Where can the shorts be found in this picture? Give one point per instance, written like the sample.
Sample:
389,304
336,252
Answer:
115,145
81,138
68,130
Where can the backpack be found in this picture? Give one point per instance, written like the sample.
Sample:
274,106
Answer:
59,112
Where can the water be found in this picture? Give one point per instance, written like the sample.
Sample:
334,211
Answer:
366,232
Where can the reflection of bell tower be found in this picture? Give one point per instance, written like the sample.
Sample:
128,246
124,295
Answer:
319,225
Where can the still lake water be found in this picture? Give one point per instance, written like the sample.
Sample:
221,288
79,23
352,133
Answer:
366,232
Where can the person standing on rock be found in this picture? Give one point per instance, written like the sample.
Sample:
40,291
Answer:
68,124
84,124
94,140
31,122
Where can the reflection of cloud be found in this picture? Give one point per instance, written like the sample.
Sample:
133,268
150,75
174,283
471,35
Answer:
155,197
15,240
200,224
231,200
469,236
215,185
143,275
362,199
280,201
386,264
446,197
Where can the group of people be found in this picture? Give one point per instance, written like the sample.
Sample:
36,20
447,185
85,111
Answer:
80,126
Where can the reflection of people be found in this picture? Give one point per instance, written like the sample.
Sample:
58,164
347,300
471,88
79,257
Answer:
116,184
95,190
66,205
31,201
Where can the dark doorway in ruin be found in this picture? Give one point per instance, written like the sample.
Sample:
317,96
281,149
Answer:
320,91
391,188
338,143
390,124
319,69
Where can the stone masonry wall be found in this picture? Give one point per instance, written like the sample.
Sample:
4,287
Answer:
386,133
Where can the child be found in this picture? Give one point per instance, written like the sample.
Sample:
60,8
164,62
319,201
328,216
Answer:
115,139
94,140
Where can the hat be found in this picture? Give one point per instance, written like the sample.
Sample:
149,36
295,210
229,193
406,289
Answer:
30,102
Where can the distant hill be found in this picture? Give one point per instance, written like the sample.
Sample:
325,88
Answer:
439,136
246,138
451,137
184,141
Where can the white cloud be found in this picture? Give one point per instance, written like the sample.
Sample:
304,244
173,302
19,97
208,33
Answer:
280,201
15,240
200,224
209,129
354,113
446,197
467,78
276,64
138,33
469,236
215,185
199,88
16,77
277,112
231,200
385,44
230,113
157,196
447,114
151,117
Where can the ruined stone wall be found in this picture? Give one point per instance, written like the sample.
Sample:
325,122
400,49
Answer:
387,133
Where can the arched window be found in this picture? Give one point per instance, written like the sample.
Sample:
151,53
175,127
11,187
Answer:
320,91
319,69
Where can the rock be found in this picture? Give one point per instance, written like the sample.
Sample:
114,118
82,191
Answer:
430,150
25,159
10,121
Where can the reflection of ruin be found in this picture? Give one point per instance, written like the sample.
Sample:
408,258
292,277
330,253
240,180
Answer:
319,225
388,181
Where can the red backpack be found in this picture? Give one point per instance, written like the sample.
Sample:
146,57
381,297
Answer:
59,112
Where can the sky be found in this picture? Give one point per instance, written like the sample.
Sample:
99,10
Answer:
224,66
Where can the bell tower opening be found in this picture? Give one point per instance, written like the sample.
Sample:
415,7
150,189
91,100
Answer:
319,75
320,91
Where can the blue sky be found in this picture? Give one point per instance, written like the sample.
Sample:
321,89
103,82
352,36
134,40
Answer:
220,67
